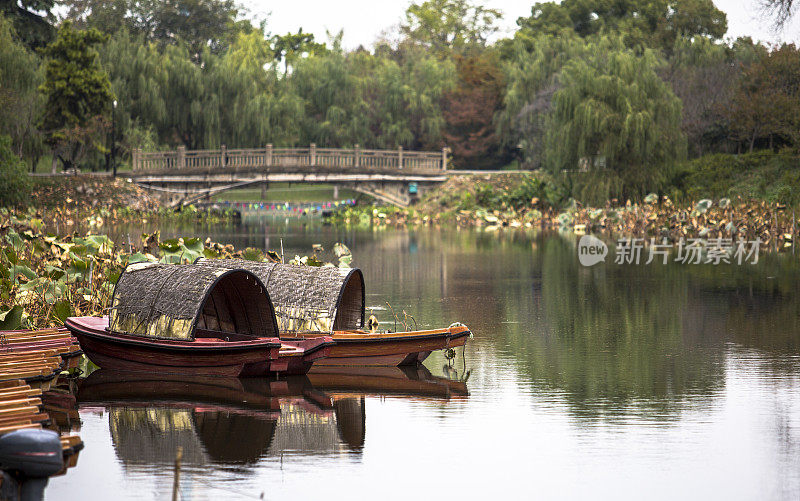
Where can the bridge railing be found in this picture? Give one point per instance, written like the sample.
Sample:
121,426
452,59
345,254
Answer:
312,156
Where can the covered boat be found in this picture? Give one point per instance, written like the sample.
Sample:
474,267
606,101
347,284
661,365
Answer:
326,301
189,319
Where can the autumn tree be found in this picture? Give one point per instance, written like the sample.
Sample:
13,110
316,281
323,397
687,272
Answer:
703,75
77,93
470,107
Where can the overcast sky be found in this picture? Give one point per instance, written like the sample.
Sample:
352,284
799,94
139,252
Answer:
364,20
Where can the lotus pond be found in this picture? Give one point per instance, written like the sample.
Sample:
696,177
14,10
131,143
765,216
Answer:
616,381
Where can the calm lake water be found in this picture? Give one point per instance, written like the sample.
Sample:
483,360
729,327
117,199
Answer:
627,382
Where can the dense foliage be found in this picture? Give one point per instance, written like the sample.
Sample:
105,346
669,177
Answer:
607,96
14,180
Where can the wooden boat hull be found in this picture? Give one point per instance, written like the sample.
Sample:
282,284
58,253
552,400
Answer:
358,348
128,353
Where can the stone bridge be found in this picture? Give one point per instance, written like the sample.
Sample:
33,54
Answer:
394,176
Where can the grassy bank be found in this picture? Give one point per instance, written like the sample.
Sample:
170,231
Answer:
761,175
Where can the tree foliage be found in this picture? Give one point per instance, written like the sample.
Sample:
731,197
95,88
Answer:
15,184
595,87
20,102
766,102
198,24
77,93
446,25
31,19
615,117
641,23
470,107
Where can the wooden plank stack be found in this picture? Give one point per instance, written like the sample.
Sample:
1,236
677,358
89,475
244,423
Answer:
36,355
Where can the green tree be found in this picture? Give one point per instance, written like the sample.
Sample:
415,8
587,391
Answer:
532,68
445,25
77,93
359,98
138,78
31,19
108,16
15,184
642,23
199,24
256,106
20,103
291,46
615,119
766,103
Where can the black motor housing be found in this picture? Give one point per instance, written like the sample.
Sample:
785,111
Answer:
31,453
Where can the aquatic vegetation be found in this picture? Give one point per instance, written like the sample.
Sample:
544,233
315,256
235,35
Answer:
45,278
773,223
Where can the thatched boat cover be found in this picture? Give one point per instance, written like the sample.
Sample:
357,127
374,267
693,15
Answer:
307,298
172,301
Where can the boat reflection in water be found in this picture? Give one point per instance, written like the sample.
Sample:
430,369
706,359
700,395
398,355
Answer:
234,422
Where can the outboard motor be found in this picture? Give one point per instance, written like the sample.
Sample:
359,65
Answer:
29,457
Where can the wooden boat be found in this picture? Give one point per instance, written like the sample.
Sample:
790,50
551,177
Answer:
362,348
311,302
177,319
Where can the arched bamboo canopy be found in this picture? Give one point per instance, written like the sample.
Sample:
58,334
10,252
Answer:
307,298
171,301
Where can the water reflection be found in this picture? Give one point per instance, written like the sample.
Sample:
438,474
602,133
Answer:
237,422
603,382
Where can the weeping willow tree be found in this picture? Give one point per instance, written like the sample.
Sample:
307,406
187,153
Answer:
531,68
336,112
137,79
20,103
361,98
257,107
615,122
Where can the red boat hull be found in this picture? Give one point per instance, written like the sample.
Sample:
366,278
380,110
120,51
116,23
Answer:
252,358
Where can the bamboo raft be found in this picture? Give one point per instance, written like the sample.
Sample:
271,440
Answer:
29,362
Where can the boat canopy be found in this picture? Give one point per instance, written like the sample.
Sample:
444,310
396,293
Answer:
172,301
307,298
